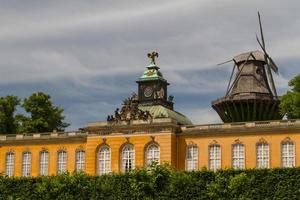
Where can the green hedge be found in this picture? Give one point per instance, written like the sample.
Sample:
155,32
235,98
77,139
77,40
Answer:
159,183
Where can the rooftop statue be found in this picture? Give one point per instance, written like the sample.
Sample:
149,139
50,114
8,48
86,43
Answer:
152,56
129,111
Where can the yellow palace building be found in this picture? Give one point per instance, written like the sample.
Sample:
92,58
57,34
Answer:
147,129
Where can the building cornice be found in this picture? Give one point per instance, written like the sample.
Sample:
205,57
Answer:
43,138
132,127
250,128
162,126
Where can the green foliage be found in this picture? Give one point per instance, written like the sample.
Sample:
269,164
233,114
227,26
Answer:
8,120
290,102
159,182
44,116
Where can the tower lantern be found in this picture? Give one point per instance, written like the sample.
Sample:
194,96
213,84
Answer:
152,86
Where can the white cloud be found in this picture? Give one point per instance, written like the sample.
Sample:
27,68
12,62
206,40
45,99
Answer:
202,115
106,38
197,82
281,82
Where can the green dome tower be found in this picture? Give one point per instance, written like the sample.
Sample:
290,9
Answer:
152,87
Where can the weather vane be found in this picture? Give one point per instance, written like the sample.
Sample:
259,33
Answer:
152,56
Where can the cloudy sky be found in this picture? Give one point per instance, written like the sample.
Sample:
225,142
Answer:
88,54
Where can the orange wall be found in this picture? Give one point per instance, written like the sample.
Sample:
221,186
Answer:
117,142
93,142
172,149
226,141
35,150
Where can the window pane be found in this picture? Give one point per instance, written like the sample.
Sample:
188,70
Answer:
44,160
152,154
26,164
104,160
238,156
191,158
80,160
288,154
10,164
214,157
61,162
262,155
128,158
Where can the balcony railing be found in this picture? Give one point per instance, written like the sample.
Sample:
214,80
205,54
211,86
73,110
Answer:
240,125
48,135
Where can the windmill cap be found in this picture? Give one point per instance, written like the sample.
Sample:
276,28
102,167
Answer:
256,55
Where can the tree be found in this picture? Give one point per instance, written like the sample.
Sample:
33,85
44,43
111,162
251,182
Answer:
8,120
44,117
290,102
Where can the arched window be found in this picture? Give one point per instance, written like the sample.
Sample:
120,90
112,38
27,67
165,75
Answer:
152,154
61,161
80,160
191,158
104,160
127,158
9,164
26,163
288,153
214,157
44,163
238,156
262,155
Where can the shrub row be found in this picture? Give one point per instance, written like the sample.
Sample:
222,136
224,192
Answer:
159,182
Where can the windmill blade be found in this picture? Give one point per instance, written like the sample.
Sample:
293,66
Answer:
232,72
269,67
272,63
261,30
225,62
261,46
268,59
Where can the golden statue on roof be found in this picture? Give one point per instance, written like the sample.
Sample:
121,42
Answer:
152,56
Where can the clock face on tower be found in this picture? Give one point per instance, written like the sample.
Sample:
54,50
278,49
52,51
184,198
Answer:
148,91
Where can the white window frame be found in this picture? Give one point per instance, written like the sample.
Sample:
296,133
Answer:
191,157
262,155
215,157
62,157
26,163
44,163
80,160
10,164
127,158
152,154
238,156
287,159
104,160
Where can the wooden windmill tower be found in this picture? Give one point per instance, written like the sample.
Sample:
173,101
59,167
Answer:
251,94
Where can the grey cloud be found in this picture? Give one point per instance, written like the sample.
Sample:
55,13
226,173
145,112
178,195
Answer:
95,50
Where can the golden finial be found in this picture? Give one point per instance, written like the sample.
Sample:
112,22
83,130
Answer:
152,56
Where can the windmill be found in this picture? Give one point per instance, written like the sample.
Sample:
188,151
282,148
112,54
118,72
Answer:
251,94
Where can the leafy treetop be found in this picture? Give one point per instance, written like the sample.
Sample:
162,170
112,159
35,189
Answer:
44,116
290,102
8,120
